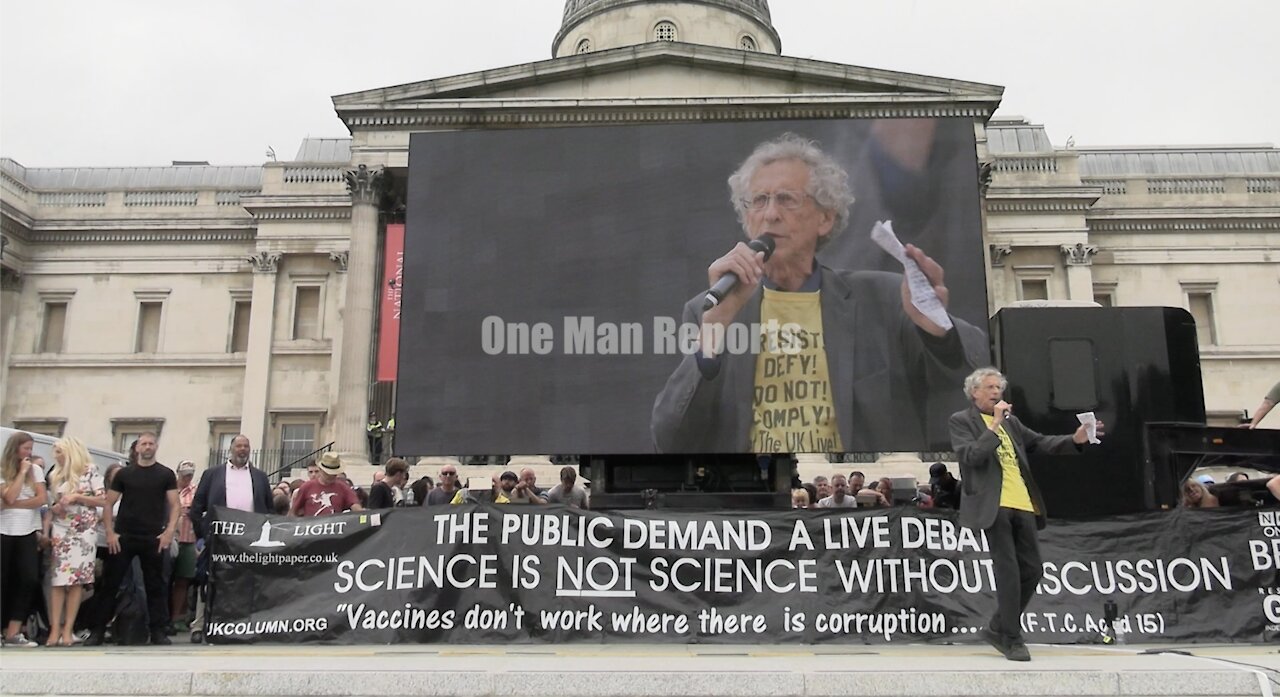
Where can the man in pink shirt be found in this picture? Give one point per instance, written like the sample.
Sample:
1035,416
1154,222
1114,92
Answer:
326,494
237,484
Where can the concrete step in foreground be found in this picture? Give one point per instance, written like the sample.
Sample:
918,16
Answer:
634,671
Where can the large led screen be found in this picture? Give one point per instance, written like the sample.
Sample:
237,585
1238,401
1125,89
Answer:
554,281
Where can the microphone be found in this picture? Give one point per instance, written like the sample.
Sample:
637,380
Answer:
763,243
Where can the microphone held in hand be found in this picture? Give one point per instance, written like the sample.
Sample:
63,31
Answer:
765,244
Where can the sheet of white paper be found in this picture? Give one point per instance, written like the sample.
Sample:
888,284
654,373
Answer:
922,293
1090,423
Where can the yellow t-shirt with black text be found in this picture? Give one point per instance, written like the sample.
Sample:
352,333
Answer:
1013,490
792,408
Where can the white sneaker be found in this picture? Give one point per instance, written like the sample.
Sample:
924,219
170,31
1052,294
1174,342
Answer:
19,641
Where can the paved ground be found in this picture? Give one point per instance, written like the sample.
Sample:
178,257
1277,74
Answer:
626,671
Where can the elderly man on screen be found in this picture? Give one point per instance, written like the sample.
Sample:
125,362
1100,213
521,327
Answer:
855,363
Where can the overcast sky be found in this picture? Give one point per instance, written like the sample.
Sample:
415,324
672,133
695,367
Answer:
128,82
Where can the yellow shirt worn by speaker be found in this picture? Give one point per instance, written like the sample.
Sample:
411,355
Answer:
792,407
1013,490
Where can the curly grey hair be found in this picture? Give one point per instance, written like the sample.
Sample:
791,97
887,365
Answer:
975,379
828,182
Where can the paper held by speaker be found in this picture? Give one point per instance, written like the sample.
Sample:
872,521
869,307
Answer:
1090,423
923,296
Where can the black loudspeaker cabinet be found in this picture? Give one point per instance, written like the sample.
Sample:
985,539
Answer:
1128,365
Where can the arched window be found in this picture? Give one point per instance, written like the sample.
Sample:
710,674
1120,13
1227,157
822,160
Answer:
664,31
584,46
747,43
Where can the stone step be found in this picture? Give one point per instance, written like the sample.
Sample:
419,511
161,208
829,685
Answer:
635,670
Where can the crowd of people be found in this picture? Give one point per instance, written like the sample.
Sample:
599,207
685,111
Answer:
138,528
853,491
135,532
1239,489
328,490
68,528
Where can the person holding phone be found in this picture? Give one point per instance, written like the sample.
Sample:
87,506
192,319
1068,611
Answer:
22,493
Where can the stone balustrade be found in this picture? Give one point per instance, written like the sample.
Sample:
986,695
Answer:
1110,187
14,186
1263,185
73,199
167,199
313,175
1213,185
1186,185
231,198
1021,164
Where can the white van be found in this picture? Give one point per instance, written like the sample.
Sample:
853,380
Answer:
43,446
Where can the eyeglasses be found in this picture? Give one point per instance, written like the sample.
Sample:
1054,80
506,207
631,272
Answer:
448,474
787,200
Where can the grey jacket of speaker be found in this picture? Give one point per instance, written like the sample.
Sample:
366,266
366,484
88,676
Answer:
981,478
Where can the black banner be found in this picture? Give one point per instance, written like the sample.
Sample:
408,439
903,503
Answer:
481,574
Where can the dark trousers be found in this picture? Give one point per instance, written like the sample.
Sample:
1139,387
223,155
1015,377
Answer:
152,562
1015,557
89,609
19,576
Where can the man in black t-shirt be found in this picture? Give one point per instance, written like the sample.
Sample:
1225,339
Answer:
382,494
143,528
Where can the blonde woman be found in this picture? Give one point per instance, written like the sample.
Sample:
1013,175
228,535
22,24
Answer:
799,498
78,494
1196,495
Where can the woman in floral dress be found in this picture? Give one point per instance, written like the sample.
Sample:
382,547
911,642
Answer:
78,496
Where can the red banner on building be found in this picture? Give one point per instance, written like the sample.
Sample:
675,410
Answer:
389,331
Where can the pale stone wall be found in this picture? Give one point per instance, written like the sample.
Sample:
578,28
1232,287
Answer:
190,249
665,80
98,376
89,398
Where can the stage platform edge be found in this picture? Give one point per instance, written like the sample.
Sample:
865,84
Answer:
642,670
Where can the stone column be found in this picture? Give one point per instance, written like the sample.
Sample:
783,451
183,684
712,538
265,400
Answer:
257,365
10,289
337,289
358,331
1079,258
997,281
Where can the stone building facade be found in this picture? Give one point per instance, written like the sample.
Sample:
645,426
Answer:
202,301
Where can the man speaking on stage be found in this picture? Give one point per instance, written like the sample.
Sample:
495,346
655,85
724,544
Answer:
999,497
845,361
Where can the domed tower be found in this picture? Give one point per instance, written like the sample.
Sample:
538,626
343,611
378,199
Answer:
595,25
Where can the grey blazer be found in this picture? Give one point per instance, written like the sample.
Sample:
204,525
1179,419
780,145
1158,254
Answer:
981,478
892,384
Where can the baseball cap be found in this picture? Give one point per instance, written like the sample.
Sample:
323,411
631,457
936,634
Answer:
936,470
1204,479
509,475
186,467
330,462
